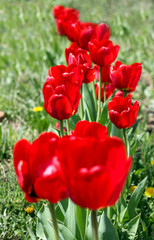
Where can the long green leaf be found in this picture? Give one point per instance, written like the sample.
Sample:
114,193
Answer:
135,198
132,227
70,218
121,208
31,233
65,233
81,220
116,131
44,230
88,232
104,114
89,100
106,230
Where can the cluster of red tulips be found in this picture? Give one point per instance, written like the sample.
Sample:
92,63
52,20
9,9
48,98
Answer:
86,165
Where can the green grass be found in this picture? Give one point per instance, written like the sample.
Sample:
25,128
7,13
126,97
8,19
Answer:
29,45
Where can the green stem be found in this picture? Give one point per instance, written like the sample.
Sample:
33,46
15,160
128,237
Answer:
94,94
68,126
94,225
81,105
125,140
54,220
104,92
61,128
99,96
125,93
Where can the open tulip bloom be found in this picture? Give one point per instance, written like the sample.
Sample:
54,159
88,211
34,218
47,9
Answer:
80,57
62,91
126,77
76,166
37,170
121,111
64,17
103,52
83,32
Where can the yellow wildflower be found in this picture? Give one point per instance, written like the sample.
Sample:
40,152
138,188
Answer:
132,188
149,192
152,162
29,210
37,109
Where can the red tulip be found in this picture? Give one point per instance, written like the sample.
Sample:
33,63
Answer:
64,18
80,57
103,52
109,91
121,112
85,129
57,10
94,171
62,91
60,10
38,170
126,77
83,32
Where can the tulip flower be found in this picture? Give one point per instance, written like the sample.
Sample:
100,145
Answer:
85,129
126,77
62,91
121,111
109,91
80,57
57,10
64,17
37,169
83,32
94,171
103,52
60,10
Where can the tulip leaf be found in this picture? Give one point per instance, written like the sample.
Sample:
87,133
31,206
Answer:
106,229
87,114
60,213
44,230
89,100
88,232
116,132
65,233
74,119
31,233
132,227
81,220
70,217
104,114
135,198
121,208
109,126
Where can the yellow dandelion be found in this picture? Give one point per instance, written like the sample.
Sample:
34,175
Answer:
29,210
37,109
152,162
149,192
132,188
